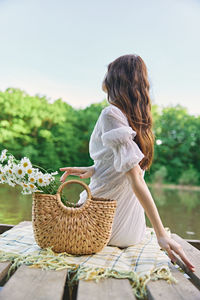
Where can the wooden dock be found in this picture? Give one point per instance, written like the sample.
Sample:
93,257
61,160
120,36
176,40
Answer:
37,284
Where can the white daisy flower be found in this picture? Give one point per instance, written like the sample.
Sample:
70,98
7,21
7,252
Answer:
3,155
10,159
54,173
8,170
26,192
11,183
24,185
1,170
18,180
32,179
47,182
19,171
47,178
32,187
2,178
26,164
41,179
29,188
29,171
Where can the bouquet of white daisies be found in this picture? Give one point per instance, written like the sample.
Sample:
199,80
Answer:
30,177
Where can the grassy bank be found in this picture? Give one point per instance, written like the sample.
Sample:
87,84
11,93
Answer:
174,186
156,185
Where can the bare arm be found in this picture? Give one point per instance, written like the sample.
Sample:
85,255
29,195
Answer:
143,194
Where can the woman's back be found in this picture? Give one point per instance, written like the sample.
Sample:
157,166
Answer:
114,152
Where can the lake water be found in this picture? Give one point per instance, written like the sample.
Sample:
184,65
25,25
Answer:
179,209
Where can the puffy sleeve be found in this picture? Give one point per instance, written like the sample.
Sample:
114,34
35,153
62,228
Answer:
119,137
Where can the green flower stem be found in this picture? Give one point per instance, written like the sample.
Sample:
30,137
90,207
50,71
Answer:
39,168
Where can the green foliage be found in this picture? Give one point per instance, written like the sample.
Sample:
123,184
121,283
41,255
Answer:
189,177
178,134
160,175
52,135
55,135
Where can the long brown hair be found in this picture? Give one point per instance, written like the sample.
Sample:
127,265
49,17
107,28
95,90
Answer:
127,87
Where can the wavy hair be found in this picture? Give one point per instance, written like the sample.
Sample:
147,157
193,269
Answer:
127,87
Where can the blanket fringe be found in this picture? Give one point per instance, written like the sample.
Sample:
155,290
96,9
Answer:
47,259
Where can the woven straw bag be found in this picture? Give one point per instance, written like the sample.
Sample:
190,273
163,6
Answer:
82,229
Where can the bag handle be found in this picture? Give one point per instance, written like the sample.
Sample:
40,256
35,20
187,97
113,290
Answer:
75,181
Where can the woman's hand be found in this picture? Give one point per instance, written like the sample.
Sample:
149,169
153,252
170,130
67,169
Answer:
168,244
82,172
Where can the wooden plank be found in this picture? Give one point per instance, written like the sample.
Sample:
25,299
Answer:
106,289
5,227
23,223
34,283
4,267
182,290
30,283
193,255
194,243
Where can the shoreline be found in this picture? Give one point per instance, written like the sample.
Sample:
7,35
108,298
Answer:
174,186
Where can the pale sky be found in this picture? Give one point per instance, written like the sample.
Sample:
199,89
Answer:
61,49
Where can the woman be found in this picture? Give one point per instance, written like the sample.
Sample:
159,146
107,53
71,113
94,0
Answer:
121,146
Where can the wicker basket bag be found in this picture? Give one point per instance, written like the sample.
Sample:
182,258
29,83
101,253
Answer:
82,229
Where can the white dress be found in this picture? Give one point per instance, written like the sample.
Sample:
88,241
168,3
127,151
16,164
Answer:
114,152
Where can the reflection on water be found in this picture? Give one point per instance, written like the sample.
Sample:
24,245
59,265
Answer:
15,207
179,209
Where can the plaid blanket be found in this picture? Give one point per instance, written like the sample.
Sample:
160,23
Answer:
139,263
